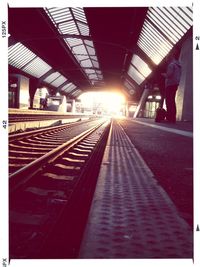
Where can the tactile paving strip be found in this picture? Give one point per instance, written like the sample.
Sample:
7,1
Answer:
131,215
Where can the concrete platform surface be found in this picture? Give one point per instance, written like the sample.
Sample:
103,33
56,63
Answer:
131,215
169,155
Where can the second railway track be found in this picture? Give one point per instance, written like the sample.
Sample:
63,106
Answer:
48,196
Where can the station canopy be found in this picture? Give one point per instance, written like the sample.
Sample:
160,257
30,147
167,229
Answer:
74,50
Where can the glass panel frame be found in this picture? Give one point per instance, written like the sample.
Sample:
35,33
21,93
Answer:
59,81
68,87
53,76
141,65
135,75
83,51
165,28
181,19
172,22
37,67
19,55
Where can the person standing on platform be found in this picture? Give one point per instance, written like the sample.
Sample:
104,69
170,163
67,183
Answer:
172,79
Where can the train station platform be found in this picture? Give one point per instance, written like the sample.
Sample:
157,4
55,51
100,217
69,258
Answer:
142,205
23,119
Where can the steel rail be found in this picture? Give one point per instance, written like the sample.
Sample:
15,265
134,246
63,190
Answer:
16,180
63,240
19,136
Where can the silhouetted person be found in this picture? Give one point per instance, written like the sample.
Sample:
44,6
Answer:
172,79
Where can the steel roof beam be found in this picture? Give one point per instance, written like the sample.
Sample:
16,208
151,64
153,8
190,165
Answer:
75,36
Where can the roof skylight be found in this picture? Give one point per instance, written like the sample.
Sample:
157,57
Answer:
142,67
22,58
73,21
68,87
162,29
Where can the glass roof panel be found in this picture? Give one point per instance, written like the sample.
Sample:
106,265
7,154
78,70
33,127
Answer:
163,27
181,17
88,71
19,55
88,42
168,21
93,76
76,93
82,57
22,58
73,41
98,72
156,58
95,64
147,44
79,50
56,14
52,77
68,28
135,75
83,28
175,20
145,47
165,24
58,10
152,30
100,76
37,67
60,80
60,17
90,50
149,39
86,63
79,14
68,87
94,58
74,22
141,65
186,13
152,51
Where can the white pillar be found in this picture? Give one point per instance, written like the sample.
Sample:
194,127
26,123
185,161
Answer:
73,106
126,110
141,102
184,95
63,105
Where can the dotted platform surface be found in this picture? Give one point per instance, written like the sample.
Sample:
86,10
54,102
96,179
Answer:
131,215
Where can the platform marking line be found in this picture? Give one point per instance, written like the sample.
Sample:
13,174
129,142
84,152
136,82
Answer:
176,131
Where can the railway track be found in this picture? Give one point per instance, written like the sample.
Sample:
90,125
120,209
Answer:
50,197
29,146
14,118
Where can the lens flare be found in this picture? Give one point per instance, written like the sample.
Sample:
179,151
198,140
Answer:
103,103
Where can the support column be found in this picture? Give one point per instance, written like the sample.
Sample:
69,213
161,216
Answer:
21,92
184,96
63,105
141,102
32,89
126,110
73,106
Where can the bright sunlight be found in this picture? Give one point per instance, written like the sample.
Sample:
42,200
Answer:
103,103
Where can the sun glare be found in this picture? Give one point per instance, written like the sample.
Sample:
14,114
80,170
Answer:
103,103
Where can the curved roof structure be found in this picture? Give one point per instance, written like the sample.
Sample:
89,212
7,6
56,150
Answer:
73,50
